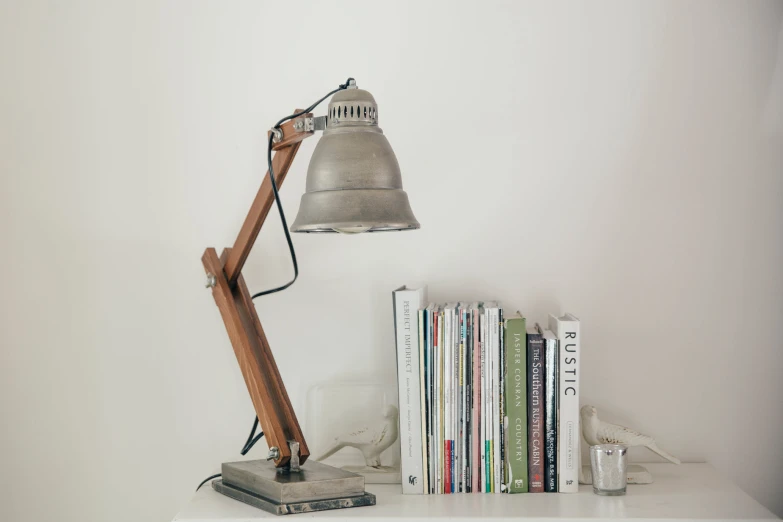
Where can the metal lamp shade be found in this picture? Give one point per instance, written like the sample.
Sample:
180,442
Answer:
353,181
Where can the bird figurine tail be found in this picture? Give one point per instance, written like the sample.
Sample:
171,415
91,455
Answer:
659,451
329,452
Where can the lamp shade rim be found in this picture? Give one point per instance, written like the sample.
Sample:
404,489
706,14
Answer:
347,226
353,211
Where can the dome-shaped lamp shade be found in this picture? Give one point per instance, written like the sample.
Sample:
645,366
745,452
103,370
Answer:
353,181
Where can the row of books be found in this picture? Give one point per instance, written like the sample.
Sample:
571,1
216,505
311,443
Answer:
488,403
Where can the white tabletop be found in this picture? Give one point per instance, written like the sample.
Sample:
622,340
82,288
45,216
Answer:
686,492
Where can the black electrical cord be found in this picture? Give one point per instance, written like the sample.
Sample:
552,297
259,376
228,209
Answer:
216,475
253,438
277,195
251,441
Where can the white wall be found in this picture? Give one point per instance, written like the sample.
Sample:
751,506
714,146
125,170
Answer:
619,160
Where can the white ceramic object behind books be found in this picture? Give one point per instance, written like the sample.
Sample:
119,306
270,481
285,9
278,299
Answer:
354,425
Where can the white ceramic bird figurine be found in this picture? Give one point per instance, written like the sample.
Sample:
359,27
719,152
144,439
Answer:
370,440
596,431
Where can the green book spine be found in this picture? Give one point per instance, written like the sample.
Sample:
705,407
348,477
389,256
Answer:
488,467
516,403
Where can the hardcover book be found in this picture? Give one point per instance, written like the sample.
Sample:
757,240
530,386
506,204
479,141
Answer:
467,365
454,390
501,406
566,329
406,303
429,346
535,410
496,372
550,409
490,394
423,382
485,454
448,398
486,408
516,402
460,367
438,340
475,414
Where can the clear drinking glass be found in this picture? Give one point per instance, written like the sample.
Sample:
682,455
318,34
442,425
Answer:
609,463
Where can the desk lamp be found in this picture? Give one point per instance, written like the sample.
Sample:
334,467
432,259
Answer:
353,185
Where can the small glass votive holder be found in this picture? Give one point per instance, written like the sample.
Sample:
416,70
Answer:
609,465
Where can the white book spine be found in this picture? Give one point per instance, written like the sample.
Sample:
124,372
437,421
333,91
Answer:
566,328
482,441
448,369
464,413
496,368
406,322
438,392
455,438
494,394
442,426
489,400
431,375
440,401
447,395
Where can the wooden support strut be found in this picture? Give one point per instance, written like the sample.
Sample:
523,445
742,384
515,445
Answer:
267,391
286,150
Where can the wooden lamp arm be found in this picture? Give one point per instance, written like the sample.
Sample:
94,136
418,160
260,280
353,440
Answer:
286,150
264,384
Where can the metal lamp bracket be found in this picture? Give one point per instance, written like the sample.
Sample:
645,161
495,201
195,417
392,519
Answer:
310,124
293,464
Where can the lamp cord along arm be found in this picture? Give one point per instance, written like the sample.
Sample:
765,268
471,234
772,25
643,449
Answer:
276,132
253,438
